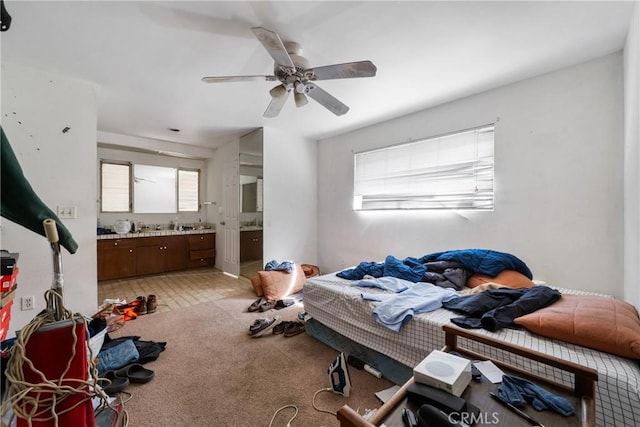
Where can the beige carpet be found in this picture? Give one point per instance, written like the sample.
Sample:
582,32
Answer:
213,373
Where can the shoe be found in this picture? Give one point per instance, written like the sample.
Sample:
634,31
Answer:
112,384
262,326
141,307
152,304
136,373
255,305
267,305
283,303
293,328
280,327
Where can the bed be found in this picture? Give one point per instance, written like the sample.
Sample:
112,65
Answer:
340,317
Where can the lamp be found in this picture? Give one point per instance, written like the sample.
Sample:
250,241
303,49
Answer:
300,99
278,92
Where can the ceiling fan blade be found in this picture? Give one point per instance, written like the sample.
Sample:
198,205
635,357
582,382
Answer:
272,42
222,79
344,71
276,105
325,99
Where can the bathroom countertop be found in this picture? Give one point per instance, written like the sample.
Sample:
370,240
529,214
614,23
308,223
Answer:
153,233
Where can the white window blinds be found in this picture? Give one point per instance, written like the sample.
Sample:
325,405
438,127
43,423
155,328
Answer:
453,171
115,187
188,194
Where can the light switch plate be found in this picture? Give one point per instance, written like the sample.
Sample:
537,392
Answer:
67,212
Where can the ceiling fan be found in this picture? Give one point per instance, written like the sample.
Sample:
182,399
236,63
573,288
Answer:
293,72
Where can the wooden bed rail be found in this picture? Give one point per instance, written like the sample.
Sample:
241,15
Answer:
584,378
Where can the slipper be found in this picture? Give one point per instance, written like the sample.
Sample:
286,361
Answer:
280,327
262,326
255,305
294,328
112,384
136,373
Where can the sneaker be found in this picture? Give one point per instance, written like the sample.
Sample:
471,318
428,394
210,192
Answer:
141,307
255,305
152,304
263,326
267,305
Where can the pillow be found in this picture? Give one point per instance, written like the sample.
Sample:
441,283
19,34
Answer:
510,278
279,284
256,283
598,322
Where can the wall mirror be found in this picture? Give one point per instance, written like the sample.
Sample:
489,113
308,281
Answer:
154,189
250,194
251,203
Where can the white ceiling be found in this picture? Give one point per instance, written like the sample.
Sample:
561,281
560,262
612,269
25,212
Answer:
147,57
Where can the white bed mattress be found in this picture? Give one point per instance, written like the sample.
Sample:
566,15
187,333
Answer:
336,304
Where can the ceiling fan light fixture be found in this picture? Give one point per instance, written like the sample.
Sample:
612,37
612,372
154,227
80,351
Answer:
278,92
300,99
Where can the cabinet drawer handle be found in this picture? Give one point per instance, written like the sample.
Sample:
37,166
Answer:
165,247
201,237
115,244
130,251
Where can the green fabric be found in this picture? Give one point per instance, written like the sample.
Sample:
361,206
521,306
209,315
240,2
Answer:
20,204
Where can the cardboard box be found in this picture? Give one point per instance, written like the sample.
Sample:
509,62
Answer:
5,319
7,262
8,282
444,371
7,297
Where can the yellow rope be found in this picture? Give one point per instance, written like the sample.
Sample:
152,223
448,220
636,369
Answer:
38,401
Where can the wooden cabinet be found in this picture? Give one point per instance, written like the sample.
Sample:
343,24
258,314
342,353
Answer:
250,245
116,259
139,256
161,254
202,250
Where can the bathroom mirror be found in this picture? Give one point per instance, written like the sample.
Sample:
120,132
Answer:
154,189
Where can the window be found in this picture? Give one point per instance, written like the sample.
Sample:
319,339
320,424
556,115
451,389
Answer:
188,190
453,171
115,181
152,189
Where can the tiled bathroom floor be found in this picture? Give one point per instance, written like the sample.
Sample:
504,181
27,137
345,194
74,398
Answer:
175,290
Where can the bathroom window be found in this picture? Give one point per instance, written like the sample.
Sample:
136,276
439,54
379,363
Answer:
188,190
115,187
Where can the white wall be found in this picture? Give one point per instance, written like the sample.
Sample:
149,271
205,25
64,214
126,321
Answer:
290,198
632,160
558,181
60,167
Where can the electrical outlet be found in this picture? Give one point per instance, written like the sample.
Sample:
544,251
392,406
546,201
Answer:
66,212
27,303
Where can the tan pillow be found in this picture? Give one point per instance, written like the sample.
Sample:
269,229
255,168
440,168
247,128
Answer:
279,284
602,323
256,283
510,278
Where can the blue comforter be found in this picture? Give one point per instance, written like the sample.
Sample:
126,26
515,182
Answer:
483,261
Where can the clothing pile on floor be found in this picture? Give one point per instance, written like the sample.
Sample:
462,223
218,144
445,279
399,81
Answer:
119,362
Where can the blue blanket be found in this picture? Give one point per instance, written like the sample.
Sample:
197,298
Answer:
483,261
